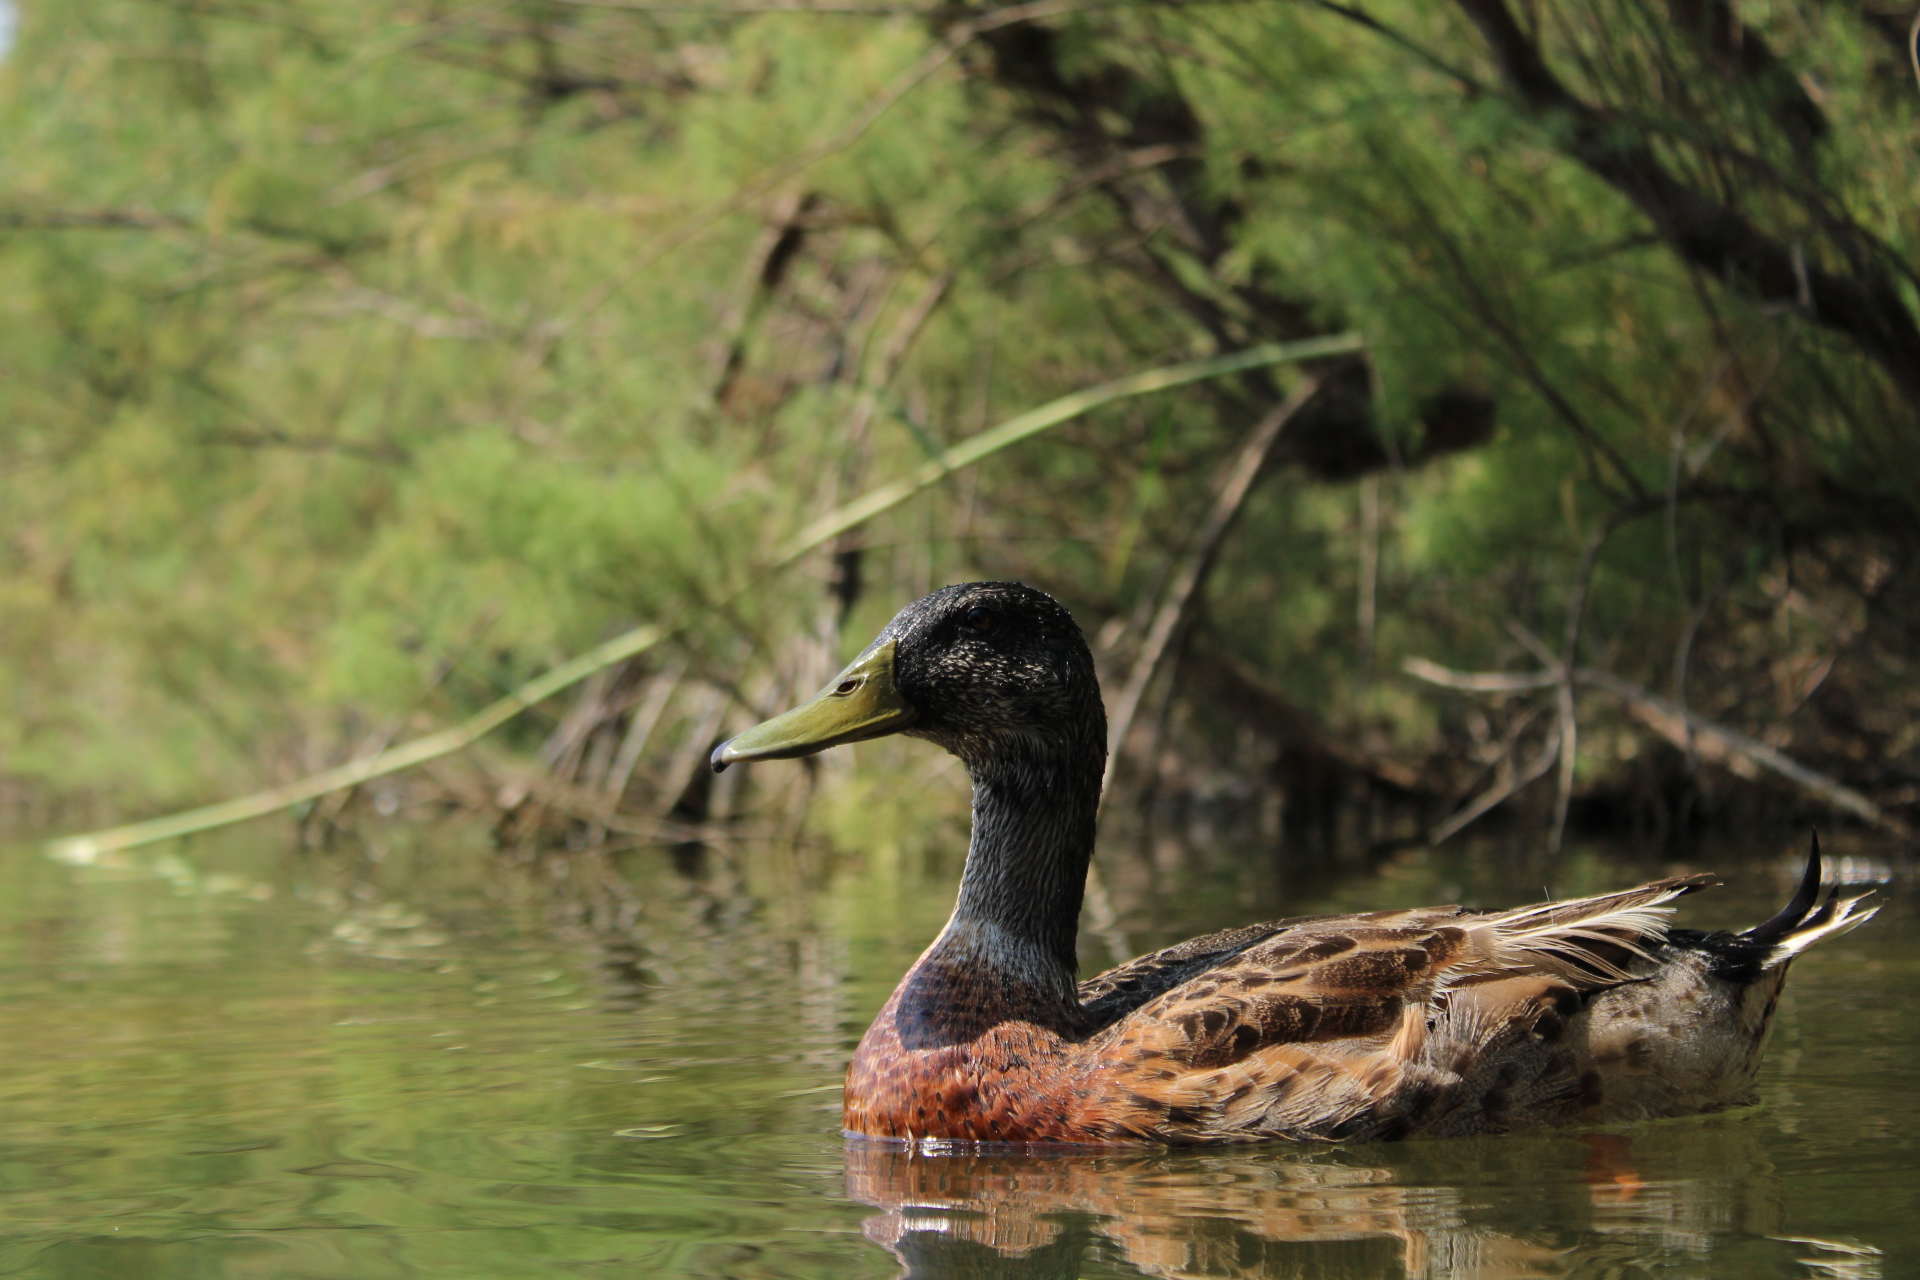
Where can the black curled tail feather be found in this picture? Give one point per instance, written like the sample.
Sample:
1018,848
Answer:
1743,957
1798,908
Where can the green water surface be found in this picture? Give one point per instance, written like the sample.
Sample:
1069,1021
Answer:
418,1056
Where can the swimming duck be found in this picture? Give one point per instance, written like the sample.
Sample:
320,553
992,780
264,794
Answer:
1434,1021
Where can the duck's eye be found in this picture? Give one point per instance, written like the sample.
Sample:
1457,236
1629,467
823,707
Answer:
980,619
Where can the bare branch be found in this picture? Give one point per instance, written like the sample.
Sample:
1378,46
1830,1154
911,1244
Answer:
1674,720
1675,723
1741,53
1242,692
1360,17
1569,659
765,267
1504,788
1913,45
640,727
1233,491
1479,681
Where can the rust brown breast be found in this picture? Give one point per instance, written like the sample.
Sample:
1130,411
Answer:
986,1071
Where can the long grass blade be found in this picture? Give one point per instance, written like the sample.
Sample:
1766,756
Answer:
88,848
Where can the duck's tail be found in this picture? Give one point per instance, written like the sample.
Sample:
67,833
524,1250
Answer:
1596,941
1806,920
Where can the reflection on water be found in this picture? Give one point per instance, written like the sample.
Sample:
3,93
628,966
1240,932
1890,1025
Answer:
1440,1211
421,1058
1215,1215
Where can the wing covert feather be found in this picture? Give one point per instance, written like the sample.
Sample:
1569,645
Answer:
1320,1027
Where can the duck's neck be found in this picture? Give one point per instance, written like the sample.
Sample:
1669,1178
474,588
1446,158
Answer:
1035,801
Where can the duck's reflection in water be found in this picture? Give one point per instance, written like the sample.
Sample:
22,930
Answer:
1264,1214
1499,1209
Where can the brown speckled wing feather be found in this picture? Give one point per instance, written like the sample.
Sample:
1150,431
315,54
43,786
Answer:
1301,1033
1124,988
1319,1027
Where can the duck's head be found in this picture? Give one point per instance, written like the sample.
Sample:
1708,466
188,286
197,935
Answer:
981,669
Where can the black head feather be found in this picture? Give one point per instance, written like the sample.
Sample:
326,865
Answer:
997,669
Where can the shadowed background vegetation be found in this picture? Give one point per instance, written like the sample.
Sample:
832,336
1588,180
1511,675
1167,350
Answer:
359,362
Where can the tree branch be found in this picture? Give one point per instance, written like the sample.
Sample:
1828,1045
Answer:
1233,491
1866,308
1507,786
1673,722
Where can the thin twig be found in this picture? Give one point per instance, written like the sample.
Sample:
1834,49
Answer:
1569,659
1866,305
646,718
1835,793
1193,567
329,808
82,850
1366,608
1360,17
560,753
1486,309
1103,922
1913,45
1683,661
1500,763
1502,790
692,756
875,383
1479,681
760,274
1676,458
891,357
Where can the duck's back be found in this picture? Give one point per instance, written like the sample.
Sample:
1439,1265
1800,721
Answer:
1439,1021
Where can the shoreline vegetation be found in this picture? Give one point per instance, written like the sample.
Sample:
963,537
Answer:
631,644
436,388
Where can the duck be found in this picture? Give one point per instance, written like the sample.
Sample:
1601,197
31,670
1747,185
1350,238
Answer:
1434,1022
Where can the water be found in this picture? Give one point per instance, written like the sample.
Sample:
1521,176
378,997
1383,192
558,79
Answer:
422,1058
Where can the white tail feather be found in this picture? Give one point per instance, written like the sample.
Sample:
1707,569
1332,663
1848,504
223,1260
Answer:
1568,948
1596,908
1842,917
1578,940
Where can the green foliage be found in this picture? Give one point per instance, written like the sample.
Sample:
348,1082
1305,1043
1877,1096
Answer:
362,360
